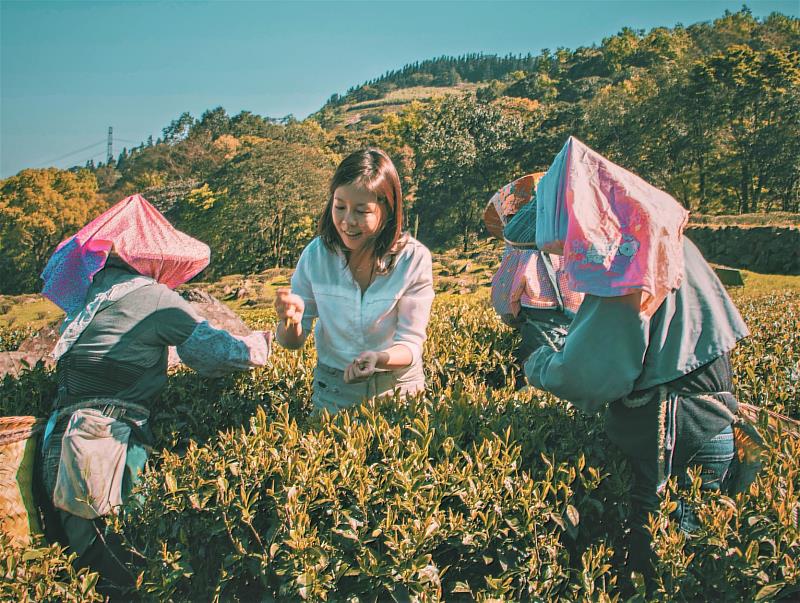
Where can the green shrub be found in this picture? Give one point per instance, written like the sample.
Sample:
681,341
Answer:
389,499
43,574
32,393
470,492
747,547
10,339
767,364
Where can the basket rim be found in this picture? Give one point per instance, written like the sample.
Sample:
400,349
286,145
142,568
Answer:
15,429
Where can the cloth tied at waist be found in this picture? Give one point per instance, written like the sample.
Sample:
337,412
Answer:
668,425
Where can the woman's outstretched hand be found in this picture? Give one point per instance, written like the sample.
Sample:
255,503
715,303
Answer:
289,308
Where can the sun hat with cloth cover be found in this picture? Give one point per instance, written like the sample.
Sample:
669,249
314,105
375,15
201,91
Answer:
618,234
507,201
136,232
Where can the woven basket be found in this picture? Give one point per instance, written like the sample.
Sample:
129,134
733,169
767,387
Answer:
19,519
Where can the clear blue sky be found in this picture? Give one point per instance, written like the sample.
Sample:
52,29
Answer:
68,70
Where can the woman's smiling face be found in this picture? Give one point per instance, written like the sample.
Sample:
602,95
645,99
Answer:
357,215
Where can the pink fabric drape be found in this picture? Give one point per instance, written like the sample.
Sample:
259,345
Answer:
622,234
138,233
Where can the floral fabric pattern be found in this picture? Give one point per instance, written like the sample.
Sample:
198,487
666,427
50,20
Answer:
507,201
618,234
213,352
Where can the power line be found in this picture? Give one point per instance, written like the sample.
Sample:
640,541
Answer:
108,153
41,163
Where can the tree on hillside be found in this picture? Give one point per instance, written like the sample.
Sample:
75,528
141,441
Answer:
38,209
178,129
396,135
463,154
639,123
215,122
759,97
260,209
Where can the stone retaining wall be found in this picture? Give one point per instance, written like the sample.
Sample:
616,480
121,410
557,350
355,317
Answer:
765,249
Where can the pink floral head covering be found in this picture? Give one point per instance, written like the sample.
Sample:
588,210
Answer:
618,234
138,233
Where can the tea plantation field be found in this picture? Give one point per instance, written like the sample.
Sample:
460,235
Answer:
470,492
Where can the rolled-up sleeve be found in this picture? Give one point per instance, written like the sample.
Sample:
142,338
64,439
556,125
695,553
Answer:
602,357
414,306
214,352
301,286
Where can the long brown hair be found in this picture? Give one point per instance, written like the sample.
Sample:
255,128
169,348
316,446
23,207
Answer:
371,169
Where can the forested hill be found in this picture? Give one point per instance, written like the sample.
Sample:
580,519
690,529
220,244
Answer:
708,112
618,57
441,71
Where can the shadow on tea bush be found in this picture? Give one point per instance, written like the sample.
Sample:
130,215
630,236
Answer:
30,394
197,408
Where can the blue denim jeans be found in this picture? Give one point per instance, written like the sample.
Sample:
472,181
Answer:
714,460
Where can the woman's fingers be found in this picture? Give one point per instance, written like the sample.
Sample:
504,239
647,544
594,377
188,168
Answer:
358,370
366,362
288,306
348,374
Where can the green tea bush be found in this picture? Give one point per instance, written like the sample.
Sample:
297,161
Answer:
196,408
767,364
392,499
471,491
747,547
11,338
32,393
466,339
43,574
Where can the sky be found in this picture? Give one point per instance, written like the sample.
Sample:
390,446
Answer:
69,69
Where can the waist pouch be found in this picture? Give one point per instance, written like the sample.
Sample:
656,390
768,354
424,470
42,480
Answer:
94,457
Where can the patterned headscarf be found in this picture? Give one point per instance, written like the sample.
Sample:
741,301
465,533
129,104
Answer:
617,233
136,232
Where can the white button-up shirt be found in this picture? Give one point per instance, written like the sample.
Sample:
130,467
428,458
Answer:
394,309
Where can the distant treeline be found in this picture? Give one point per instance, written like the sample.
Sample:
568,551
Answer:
441,71
709,113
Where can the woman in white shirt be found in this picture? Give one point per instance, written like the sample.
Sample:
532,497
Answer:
369,285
